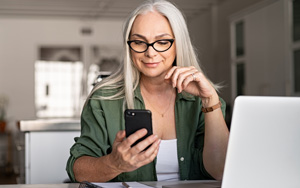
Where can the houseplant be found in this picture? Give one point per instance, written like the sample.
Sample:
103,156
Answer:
3,106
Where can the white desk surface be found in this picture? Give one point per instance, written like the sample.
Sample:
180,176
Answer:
76,185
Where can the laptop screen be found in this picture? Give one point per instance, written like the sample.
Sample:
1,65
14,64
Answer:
264,143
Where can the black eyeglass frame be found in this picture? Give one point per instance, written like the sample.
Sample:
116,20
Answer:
151,44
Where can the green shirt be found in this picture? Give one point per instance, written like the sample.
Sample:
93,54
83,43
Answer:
102,119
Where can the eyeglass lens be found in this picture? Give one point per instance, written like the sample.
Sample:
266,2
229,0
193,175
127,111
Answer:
141,46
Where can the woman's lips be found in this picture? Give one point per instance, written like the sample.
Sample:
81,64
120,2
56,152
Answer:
151,64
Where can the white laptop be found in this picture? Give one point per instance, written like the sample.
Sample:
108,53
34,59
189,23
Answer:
264,143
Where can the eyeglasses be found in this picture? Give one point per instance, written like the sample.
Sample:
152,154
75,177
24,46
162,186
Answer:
159,45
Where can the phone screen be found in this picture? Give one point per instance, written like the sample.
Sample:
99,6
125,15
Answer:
136,120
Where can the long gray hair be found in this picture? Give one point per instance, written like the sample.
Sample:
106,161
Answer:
126,79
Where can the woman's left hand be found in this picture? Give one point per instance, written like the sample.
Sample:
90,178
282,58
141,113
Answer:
190,80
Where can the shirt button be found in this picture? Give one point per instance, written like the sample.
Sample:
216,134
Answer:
181,158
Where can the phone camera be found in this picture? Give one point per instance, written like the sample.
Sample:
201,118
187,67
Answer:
130,113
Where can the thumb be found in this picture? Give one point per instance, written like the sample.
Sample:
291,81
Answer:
120,136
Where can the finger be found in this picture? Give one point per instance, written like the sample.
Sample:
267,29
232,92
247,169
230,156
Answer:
175,75
153,148
192,76
118,144
170,72
135,136
187,81
120,136
135,158
141,146
150,154
122,152
184,76
170,76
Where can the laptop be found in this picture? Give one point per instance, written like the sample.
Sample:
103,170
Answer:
264,145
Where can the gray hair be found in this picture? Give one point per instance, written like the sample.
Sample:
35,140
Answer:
126,79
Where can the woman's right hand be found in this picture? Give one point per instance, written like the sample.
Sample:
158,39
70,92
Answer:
126,158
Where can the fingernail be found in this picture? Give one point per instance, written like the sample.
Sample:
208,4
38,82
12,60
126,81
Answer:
154,137
144,130
158,141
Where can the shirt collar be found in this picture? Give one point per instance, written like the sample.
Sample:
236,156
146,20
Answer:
137,93
185,96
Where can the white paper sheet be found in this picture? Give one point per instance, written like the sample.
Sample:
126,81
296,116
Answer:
119,185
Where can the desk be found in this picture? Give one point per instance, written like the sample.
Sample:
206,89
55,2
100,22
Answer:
157,184
66,185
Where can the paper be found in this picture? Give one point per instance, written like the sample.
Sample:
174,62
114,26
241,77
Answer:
119,185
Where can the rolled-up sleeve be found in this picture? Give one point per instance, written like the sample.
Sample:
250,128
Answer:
93,140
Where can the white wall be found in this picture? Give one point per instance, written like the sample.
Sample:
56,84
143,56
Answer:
19,43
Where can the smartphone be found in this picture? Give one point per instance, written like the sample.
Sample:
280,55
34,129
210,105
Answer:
136,120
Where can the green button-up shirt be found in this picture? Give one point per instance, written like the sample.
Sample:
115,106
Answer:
102,119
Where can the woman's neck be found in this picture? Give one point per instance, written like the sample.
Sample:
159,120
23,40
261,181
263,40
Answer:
158,86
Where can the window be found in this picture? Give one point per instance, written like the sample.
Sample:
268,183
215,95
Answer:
239,39
58,83
238,58
240,78
297,71
58,86
296,44
296,20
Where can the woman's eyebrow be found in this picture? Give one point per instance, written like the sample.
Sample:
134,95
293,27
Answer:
156,37
138,35
163,35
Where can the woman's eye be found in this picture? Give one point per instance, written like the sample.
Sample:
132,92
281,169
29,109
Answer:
137,42
163,42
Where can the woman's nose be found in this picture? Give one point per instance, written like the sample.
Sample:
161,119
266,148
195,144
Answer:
151,52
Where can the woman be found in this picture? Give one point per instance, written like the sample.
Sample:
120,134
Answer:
160,73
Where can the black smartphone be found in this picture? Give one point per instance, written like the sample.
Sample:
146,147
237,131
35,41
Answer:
136,120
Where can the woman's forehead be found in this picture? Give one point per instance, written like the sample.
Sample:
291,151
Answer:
151,24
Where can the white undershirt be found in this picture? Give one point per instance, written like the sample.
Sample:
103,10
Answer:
167,168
